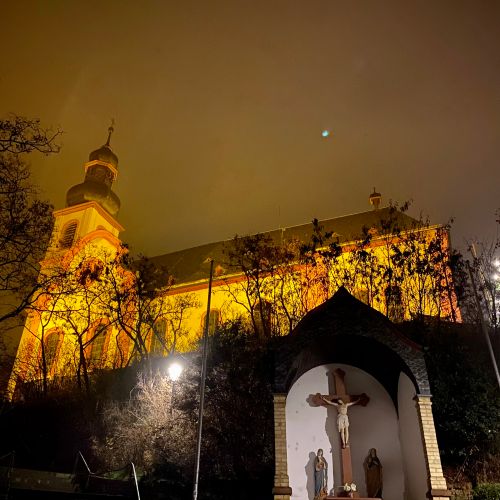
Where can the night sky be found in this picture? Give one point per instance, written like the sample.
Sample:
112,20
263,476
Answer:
220,105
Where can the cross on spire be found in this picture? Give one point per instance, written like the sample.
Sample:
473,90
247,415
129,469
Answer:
111,129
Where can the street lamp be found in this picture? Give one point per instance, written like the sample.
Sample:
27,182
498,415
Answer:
174,371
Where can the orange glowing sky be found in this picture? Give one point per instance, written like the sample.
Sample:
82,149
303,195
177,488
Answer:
220,105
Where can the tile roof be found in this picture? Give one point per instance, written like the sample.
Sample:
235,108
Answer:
190,265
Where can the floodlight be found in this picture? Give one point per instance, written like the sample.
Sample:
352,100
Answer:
174,371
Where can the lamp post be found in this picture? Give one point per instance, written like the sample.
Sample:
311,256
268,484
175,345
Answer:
202,384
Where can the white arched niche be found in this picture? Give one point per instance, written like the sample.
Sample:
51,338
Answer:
310,427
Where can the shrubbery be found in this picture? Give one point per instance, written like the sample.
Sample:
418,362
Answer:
466,405
486,491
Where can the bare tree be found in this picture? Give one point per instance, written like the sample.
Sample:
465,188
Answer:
145,429
140,303
403,267
41,353
486,271
256,258
25,135
25,221
83,318
281,281
70,301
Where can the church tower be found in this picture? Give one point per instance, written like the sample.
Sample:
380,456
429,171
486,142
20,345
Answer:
92,205
85,230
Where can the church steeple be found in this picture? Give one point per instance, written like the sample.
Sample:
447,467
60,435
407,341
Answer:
100,172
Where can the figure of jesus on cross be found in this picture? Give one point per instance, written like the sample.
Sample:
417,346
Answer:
342,401
342,417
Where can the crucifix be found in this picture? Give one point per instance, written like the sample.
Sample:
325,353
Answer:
342,401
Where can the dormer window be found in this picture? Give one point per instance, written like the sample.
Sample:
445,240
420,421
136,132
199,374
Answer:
68,234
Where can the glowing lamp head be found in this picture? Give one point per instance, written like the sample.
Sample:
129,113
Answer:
325,133
174,371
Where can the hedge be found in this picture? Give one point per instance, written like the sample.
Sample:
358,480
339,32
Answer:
486,491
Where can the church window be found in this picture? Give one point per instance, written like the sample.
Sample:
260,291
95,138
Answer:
213,320
122,350
68,234
394,303
51,347
97,345
158,337
263,315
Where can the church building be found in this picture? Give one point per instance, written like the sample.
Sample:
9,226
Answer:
352,403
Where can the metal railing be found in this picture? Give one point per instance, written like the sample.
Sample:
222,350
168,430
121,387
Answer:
92,479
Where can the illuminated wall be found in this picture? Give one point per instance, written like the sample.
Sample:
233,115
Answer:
106,346
70,325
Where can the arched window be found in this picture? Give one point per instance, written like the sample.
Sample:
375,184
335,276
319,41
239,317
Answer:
213,321
263,316
394,303
122,350
158,337
98,340
51,348
68,234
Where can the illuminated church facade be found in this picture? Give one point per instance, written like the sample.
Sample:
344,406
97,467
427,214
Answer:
73,324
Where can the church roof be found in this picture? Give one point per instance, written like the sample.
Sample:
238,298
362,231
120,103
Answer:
345,314
188,265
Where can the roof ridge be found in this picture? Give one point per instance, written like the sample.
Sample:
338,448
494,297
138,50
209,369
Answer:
218,242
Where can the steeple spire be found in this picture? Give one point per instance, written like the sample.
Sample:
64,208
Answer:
100,173
111,129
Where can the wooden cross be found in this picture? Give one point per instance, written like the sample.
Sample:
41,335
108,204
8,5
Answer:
347,400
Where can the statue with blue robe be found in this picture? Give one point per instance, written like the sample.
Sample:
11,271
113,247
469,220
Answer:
320,476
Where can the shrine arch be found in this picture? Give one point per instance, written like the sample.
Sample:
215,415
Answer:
343,331
365,353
